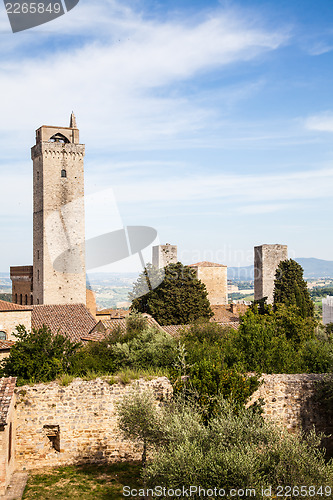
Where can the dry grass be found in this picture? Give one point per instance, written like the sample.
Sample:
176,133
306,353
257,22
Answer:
86,482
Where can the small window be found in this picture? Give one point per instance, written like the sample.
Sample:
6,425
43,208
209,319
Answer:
26,300
53,433
3,335
21,299
31,300
37,274
38,254
63,173
15,298
38,176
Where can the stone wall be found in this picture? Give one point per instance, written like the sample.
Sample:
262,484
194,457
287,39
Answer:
7,448
290,400
62,425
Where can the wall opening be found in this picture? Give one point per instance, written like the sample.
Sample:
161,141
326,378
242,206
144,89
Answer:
53,434
63,173
3,335
10,439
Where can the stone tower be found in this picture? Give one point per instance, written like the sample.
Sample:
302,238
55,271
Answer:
59,275
266,260
164,255
214,276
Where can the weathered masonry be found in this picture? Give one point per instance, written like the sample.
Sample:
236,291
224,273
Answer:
266,260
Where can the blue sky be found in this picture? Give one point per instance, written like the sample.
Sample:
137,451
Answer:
210,121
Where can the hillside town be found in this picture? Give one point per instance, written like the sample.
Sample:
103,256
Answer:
46,421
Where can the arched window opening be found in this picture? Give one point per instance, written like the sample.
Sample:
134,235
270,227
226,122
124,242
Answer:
21,300
59,138
26,300
31,300
63,173
3,335
15,298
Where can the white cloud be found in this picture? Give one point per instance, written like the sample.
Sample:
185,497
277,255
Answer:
322,122
124,86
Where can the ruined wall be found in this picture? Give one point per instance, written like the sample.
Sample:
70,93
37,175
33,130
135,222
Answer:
290,400
82,419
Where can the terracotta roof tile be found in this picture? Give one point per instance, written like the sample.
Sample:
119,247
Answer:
9,306
7,386
106,326
6,344
73,320
206,264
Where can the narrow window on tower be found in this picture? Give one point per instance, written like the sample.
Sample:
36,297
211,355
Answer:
38,275
63,173
38,176
38,254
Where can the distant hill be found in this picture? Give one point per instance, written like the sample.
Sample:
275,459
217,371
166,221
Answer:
313,268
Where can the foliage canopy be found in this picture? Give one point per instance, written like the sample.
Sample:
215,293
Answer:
178,300
291,289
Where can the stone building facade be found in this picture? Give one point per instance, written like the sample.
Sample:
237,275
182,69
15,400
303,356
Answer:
328,310
164,255
266,261
12,315
58,275
214,276
22,285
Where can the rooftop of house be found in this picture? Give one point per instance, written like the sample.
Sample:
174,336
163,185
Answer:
6,344
9,306
7,386
73,320
105,327
205,263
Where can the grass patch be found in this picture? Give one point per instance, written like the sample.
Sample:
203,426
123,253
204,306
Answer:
127,376
65,379
85,482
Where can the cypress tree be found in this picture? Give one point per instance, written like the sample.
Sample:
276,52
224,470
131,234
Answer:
290,288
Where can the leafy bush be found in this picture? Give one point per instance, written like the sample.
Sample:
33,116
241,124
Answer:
38,356
236,449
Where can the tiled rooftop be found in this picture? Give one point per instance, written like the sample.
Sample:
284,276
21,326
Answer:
106,326
73,320
9,306
6,344
7,386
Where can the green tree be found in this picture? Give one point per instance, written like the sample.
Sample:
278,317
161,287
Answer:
38,356
291,289
179,299
139,419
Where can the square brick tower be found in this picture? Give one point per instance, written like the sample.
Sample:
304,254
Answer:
59,275
266,260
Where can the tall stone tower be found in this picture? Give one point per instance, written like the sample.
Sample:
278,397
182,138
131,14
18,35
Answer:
266,260
59,275
164,255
